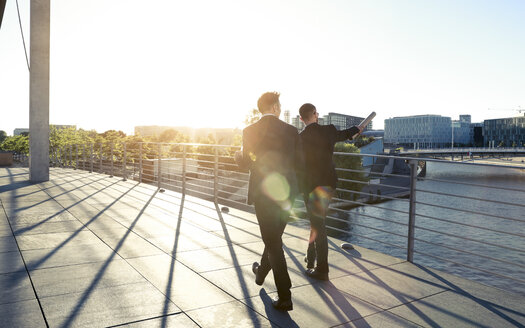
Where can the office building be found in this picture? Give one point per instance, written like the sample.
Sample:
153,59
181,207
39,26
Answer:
296,121
462,131
504,132
19,131
340,121
419,131
287,116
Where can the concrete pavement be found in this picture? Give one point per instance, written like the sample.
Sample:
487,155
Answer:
87,250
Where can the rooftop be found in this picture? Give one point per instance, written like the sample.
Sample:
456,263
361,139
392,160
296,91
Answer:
85,249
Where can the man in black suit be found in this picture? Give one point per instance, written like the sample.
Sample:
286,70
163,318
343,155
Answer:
272,152
319,183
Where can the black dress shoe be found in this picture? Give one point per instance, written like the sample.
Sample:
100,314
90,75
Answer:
316,274
255,269
309,265
282,305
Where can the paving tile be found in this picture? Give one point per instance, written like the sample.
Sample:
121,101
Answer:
58,239
28,219
77,278
15,287
381,319
319,305
506,299
239,236
11,262
219,258
184,287
8,244
449,309
385,288
102,307
342,263
129,245
5,231
21,314
179,320
187,243
239,281
66,255
48,227
232,314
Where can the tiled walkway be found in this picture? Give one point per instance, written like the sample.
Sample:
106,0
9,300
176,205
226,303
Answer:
88,250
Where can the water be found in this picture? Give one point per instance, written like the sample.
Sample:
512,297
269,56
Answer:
435,243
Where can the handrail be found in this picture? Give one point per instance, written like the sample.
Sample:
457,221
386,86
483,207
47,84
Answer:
212,175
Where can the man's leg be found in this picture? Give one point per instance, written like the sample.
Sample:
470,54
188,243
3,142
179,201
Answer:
320,200
272,221
310,252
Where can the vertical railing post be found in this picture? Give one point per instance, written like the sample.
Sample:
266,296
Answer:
184,169
412,210
83,156
76,157
100,159
124,163
216,175
159,171
70,156
91,158
140,162
112,162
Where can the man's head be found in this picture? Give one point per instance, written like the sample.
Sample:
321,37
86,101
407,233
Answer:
308,114
269,103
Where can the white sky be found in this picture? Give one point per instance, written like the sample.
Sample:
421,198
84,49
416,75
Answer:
120,63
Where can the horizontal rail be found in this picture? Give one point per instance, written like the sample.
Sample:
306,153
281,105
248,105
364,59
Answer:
471,184
468,211
369,205
371,217
370,194
471,239
469,197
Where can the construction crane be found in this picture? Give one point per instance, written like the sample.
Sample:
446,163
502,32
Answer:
519,109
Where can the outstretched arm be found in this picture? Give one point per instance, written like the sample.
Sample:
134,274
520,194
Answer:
347,134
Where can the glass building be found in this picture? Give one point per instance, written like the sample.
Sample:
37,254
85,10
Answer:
340,121
504,132
420,131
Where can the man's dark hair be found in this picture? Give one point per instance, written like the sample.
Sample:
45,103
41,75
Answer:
266,101
306,111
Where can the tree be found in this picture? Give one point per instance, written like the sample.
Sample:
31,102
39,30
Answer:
253,116
169,135
348,162
18,144
3,136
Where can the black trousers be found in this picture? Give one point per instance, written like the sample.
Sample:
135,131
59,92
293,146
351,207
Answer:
272,221
317,206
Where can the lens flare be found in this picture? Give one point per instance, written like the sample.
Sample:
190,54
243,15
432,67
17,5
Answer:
276,188
319,199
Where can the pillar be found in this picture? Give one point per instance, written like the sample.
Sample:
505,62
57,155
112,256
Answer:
39,92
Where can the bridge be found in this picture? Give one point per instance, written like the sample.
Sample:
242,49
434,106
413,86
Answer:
103,249
467,151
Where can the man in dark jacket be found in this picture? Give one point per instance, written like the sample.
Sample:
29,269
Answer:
319,183
272,152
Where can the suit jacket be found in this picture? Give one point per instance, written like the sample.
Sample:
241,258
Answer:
272,149
318,146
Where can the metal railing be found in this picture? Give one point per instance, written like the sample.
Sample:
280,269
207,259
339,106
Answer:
460,225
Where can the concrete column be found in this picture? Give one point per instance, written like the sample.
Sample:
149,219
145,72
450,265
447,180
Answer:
39,92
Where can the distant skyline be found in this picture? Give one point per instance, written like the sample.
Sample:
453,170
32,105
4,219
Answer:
124,63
